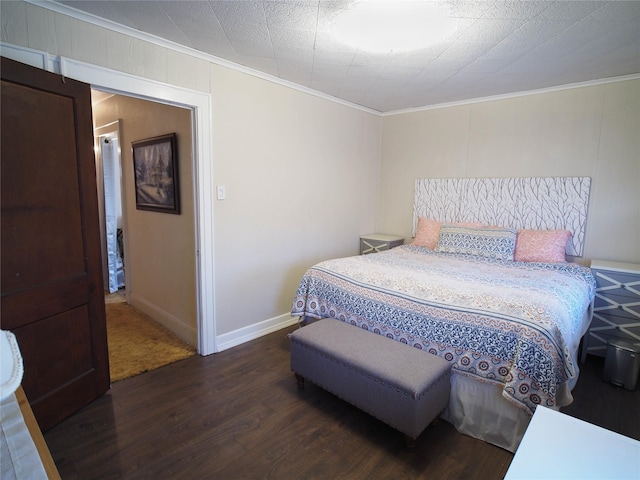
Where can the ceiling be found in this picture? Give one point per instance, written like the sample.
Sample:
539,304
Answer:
499,47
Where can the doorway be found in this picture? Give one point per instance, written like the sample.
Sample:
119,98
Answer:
152,322
159,248
110,201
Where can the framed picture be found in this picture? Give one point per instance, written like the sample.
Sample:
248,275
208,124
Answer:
155,170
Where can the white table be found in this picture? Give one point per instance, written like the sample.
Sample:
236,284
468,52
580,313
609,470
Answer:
558,446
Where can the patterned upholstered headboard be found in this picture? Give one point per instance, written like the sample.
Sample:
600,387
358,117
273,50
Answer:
534,203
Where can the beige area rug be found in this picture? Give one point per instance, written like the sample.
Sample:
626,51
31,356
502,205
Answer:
116,297
138,344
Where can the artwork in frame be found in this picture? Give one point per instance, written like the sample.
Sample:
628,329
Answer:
155,169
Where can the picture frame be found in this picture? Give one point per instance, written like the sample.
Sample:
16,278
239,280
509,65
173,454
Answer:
155,171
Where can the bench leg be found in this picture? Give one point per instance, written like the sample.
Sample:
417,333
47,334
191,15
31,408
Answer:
409,443
300,380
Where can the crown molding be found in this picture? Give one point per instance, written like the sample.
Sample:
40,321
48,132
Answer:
590,83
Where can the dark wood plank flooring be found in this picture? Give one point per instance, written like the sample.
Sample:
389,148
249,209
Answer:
604,404
239,415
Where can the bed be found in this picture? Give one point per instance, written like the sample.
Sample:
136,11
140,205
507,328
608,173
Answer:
509,323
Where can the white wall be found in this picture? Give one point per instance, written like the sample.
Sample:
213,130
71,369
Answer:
301,182
589,131
301,172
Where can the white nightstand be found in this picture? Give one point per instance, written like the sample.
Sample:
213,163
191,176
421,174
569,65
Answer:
616,313
377,242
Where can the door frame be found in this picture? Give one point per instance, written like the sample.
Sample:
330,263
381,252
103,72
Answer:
200,105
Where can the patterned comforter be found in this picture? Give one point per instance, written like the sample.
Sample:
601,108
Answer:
513,323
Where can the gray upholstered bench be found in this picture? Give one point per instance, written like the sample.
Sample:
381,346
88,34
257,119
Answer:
404,387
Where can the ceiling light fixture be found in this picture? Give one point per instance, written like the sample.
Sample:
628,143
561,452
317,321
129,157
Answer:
392,26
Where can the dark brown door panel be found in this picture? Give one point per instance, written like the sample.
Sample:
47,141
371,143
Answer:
51,278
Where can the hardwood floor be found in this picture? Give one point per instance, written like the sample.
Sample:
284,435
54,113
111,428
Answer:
238,414
604,404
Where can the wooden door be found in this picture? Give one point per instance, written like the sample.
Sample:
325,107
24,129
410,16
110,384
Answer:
52,290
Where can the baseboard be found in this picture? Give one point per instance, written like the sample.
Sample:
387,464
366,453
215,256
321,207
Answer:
164,318
257,330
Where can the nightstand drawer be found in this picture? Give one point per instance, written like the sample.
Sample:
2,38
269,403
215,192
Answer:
378,242
628,307
614,326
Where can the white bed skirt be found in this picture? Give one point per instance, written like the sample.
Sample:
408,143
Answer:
479,410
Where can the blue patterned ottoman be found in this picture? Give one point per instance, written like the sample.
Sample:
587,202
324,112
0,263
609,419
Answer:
404,387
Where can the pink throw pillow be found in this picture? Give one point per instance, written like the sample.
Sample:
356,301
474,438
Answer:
541,245
428,232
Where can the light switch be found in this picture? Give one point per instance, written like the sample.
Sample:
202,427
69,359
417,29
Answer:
222,192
